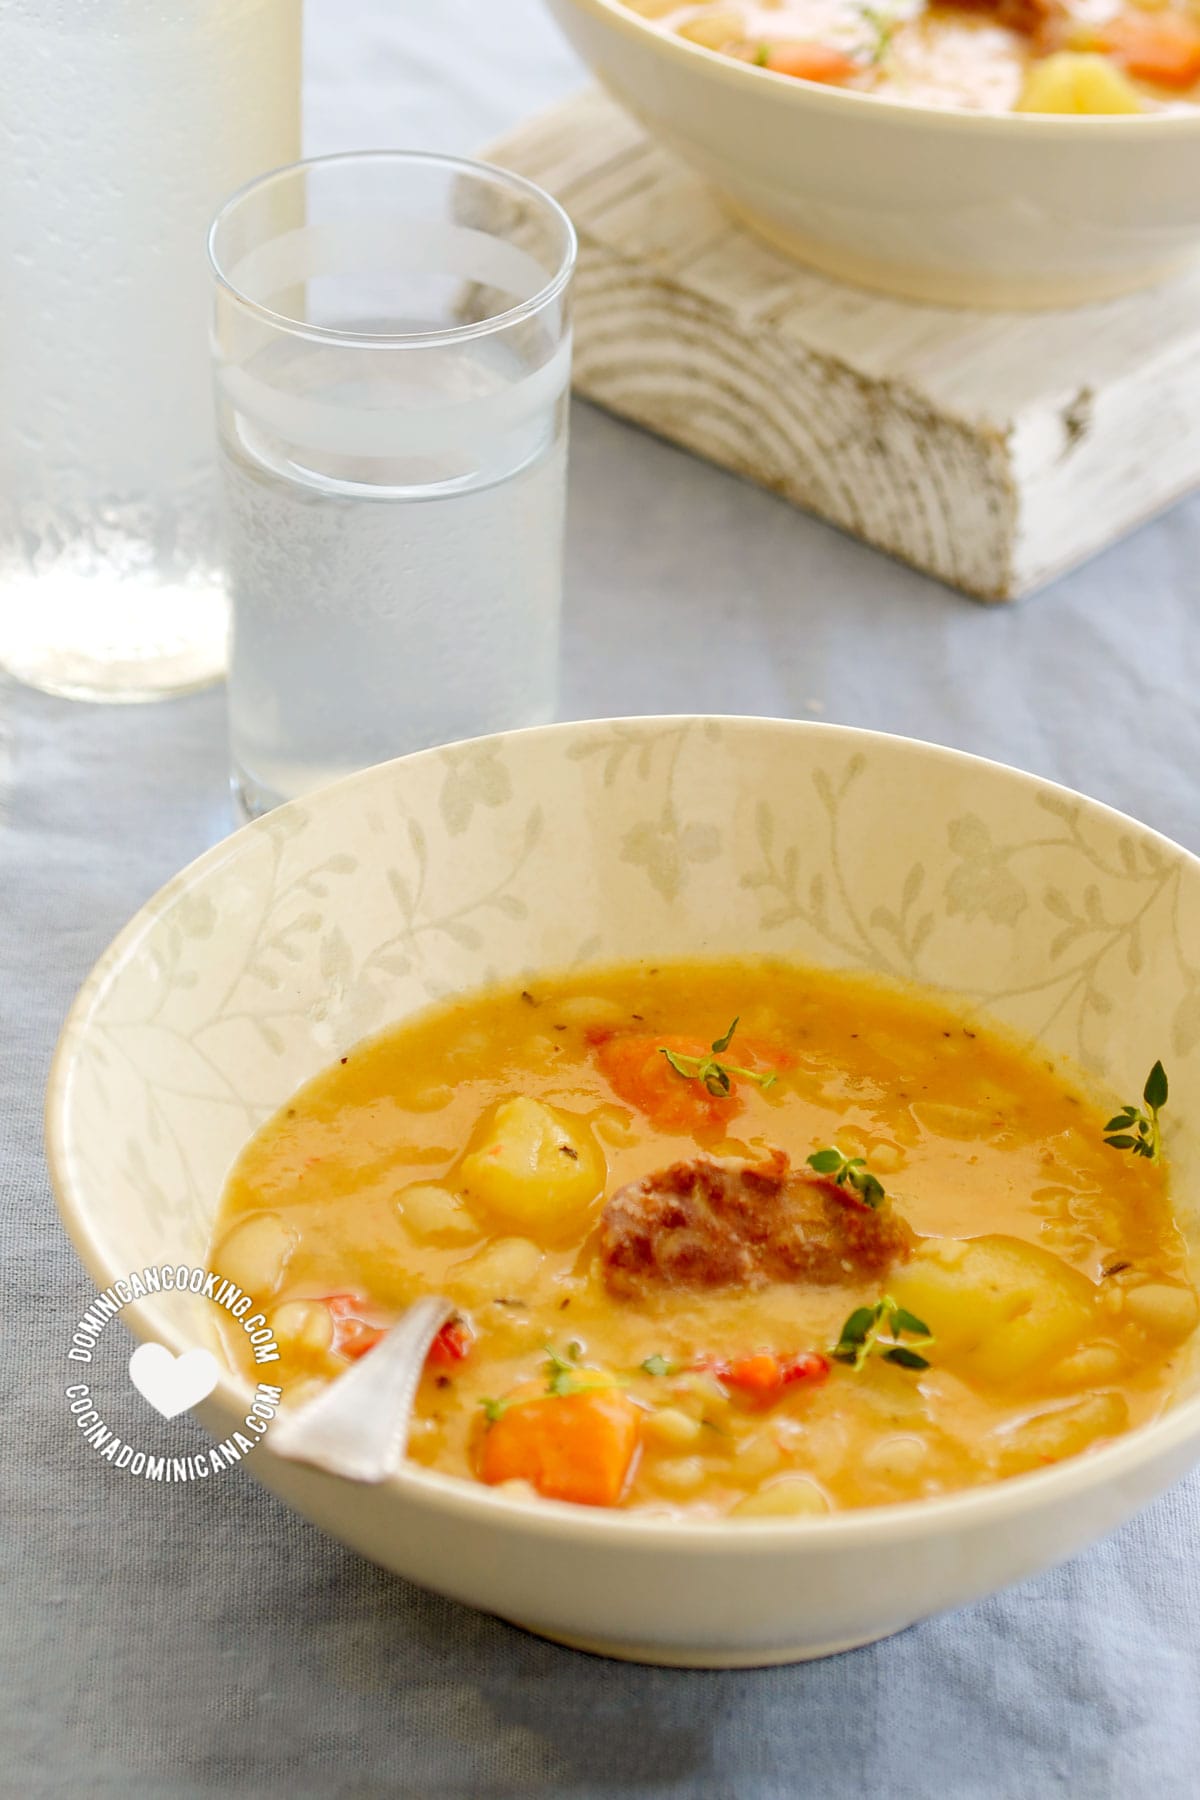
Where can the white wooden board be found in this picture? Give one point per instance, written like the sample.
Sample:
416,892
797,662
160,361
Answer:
993,450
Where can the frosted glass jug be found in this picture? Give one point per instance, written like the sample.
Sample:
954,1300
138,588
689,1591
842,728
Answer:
123,123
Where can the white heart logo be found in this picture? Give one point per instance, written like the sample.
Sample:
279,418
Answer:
172,1383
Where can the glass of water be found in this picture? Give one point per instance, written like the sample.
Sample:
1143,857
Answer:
392,344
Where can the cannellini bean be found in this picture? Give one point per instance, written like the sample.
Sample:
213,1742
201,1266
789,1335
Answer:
787,1497
433,1212
256,1253
960,1122
1165,1312
672,1427
896,1457
886,1159
505,1268
713,29
1050,1436
1090,1366
681,1474
516,1489
614,1125
305,1327
701,1393
826,1445
430,1098
757,1456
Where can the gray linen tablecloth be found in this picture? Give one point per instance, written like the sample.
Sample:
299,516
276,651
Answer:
211,1643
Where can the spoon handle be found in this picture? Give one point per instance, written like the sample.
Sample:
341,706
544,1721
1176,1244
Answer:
358,1427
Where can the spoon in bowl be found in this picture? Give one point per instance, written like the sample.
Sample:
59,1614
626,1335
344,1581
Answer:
358,1426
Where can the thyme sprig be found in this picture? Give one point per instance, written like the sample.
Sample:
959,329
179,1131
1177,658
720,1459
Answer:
849,1172
882,22
876,1330
1137,1130
717,1076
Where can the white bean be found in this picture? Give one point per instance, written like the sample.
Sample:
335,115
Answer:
256,1253
433,1212
672,1427
787,1497
304,1327
1165,1312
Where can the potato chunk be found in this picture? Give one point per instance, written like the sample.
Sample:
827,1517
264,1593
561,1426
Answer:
999,1308
1075,81
535,1169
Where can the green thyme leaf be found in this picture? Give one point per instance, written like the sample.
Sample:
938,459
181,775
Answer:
560,1372
658,1365
849,1172
1137,1131
494,1409
1155,1091
863,1335
826,1161
713,1075
855,1330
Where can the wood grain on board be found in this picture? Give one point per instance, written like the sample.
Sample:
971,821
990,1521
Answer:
993,450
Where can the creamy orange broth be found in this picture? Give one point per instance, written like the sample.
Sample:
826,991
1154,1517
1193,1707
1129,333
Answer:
970,1136
980,54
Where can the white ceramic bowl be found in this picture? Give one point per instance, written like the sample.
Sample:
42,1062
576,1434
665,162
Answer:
599,842
969,208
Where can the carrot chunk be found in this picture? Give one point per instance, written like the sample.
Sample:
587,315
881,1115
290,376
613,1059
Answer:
1159,47
811,62
578,1447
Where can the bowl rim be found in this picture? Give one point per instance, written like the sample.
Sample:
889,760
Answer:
712,65
997,1503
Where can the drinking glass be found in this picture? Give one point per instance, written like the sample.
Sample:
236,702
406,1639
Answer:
122,123
392,346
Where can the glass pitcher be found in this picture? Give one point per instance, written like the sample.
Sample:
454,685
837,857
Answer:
122,124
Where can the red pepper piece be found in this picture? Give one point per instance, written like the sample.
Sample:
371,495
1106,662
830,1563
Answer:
353,1335
452,1343
762,1376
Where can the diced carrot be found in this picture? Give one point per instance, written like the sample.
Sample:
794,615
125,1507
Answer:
452,1343
639,1074
811,62
1160,47
578,1447
353,1335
